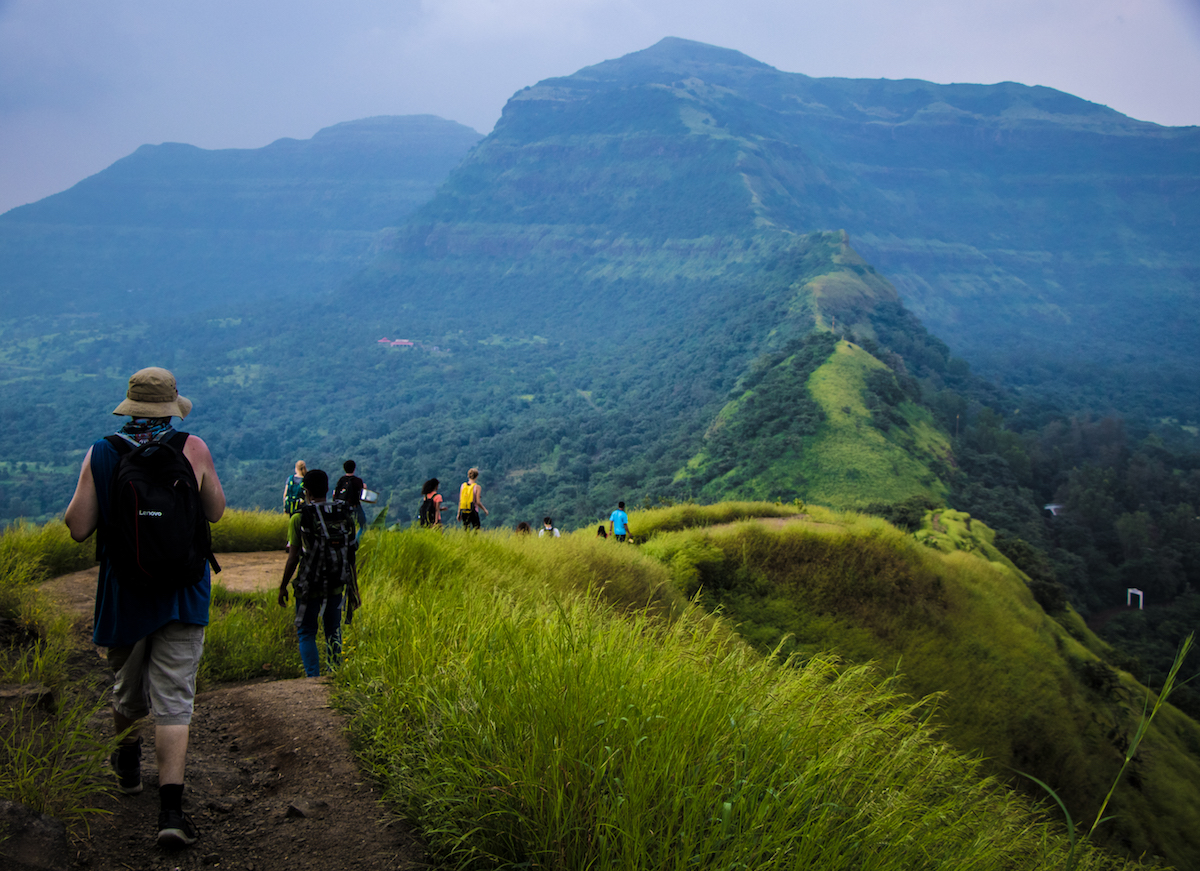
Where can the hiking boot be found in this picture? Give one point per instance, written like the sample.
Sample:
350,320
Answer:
126,762
176,829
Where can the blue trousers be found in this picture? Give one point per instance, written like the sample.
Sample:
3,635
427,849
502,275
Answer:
328,613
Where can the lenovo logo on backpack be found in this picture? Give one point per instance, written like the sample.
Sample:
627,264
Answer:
156,481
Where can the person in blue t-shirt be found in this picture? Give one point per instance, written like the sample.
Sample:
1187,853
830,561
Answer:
154,640
618,522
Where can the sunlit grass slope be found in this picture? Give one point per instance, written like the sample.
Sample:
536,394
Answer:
557,704
852,462
1018,688
809,425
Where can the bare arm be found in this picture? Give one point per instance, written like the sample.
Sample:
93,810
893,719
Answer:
479,498
83,514
212,494
293,560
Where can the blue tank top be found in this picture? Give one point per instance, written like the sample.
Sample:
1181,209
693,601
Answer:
122,618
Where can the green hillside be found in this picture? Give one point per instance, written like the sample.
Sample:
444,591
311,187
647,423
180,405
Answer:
824,419
563,420
955,619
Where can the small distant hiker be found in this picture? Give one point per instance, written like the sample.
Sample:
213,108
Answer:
320,539
548,529
349,489
524,528
150,492
293,489
600,533
470,501
429,515
618,522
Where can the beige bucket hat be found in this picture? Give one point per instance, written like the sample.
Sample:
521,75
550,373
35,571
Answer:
152,393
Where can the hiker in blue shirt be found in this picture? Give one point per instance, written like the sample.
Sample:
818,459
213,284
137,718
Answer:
618,522
154,638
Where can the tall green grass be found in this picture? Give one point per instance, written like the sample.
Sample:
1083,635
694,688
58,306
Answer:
523,721
46,548
671,518
1018,688
248,636
241,531
50,759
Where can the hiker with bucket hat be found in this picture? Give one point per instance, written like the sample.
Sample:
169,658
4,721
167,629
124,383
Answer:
153,589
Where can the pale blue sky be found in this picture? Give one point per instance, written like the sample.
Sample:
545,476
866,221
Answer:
85,82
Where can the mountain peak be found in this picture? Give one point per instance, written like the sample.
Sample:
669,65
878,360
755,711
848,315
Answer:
406,126
669,59
673,49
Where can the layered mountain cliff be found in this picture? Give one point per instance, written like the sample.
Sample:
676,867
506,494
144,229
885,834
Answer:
1047,240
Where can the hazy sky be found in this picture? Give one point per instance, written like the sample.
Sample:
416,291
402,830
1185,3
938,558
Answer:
85,82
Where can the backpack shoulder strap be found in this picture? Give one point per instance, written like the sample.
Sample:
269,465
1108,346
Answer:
121,446
321,519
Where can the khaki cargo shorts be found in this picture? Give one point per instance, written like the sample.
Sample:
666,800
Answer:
158,674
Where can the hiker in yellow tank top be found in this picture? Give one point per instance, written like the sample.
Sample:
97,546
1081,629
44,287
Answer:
470,501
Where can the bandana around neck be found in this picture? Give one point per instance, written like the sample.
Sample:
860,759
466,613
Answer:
141,430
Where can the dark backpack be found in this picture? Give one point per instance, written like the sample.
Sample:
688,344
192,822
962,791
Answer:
326,531
156,537
428,512
349,490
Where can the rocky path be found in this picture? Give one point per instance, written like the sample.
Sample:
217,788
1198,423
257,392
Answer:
271,781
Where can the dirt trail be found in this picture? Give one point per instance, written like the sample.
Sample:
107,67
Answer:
241,572
271,781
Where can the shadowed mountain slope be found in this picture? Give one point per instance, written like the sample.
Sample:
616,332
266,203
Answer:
180,228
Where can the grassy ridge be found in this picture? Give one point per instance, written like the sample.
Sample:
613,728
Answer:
812,424
853,460
522,721
1018,687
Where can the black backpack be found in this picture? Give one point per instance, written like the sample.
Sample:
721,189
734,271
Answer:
428,512
156,538
349,490
326,530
